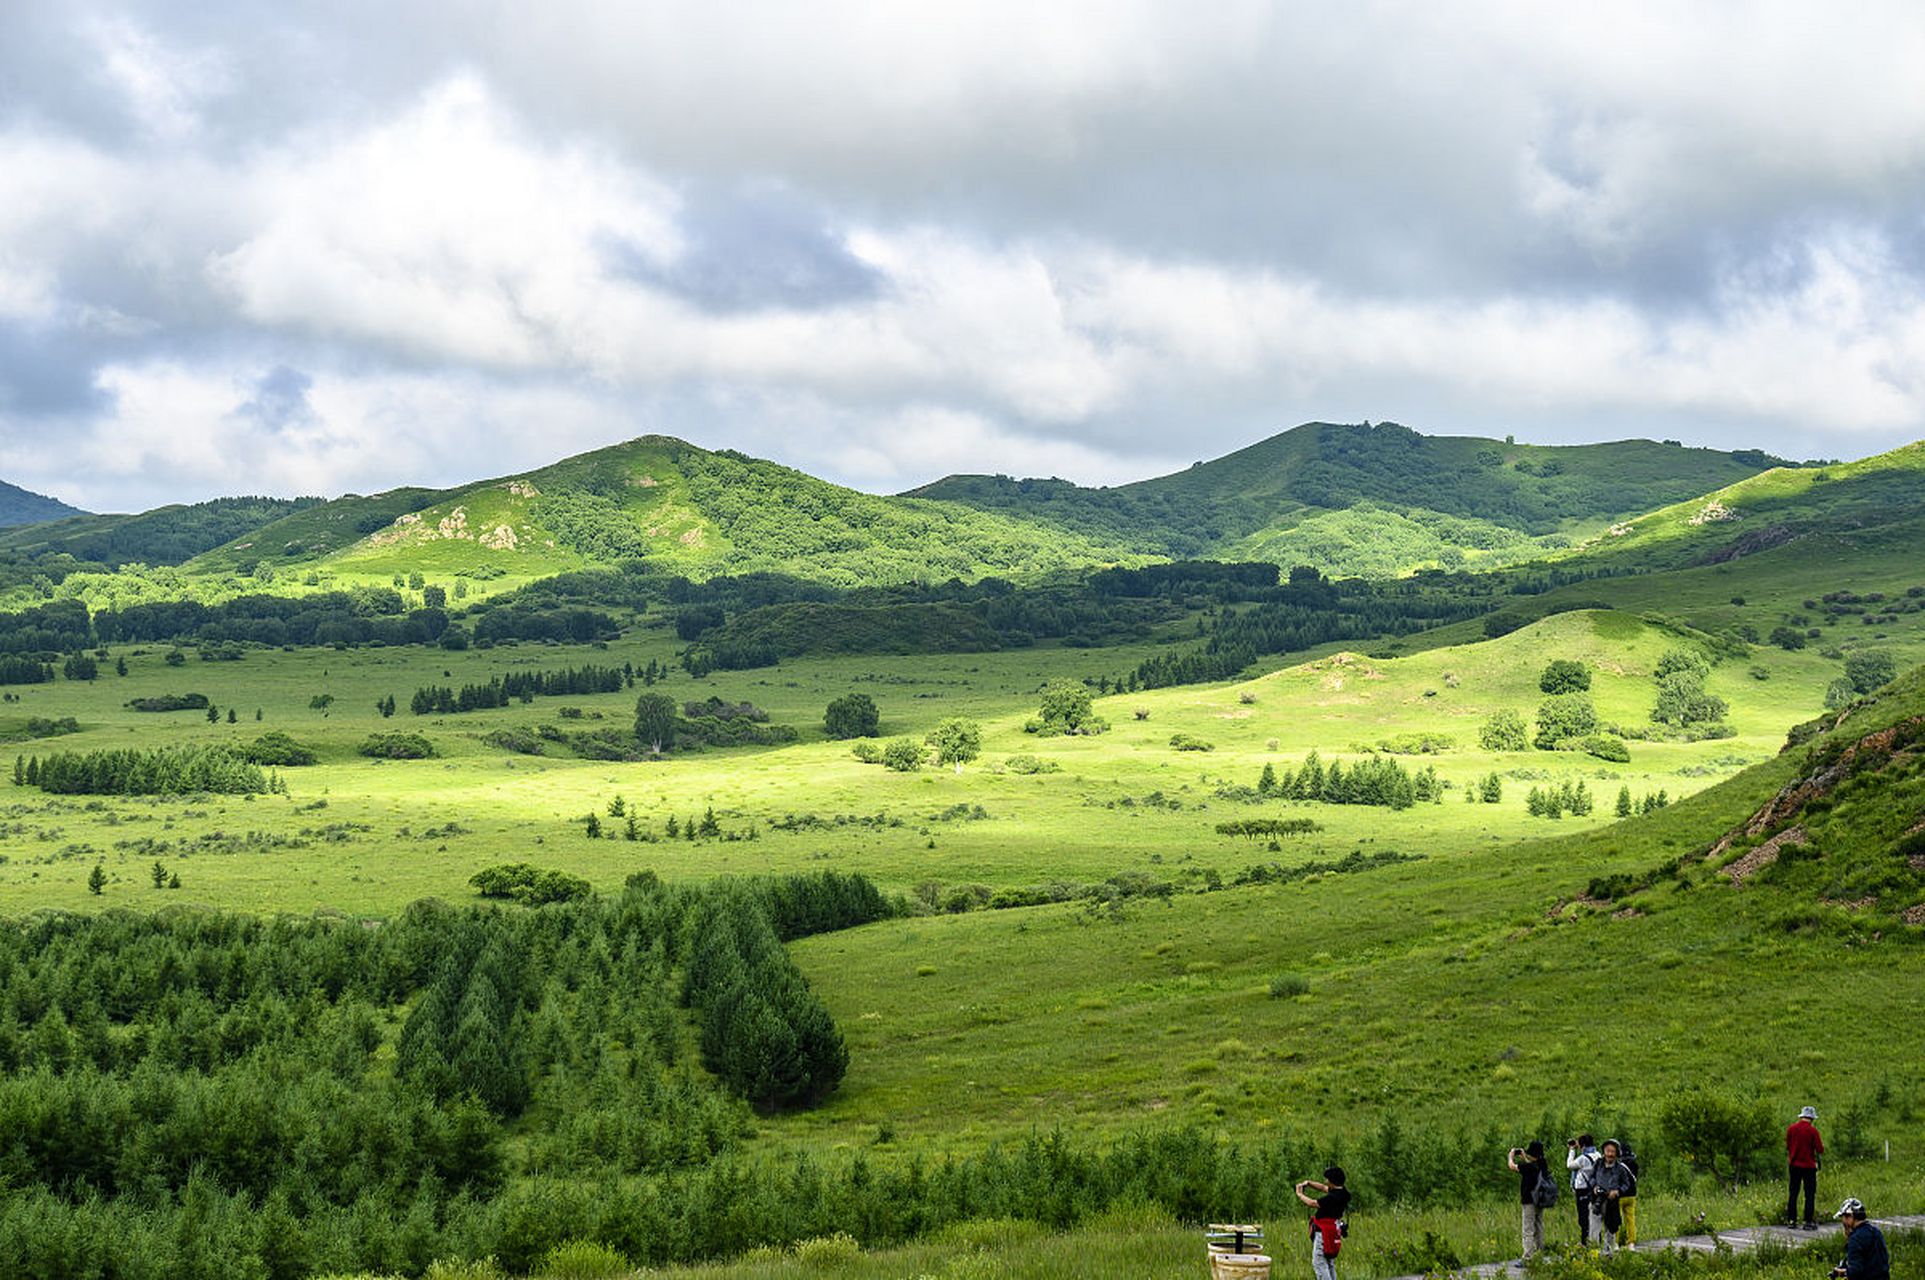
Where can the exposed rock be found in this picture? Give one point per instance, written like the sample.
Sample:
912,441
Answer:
1751,863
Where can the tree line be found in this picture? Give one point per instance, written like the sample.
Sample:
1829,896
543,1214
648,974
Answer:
518,686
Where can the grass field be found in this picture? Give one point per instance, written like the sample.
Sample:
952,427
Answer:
1470,990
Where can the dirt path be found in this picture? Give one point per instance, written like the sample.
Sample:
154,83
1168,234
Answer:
1739,1240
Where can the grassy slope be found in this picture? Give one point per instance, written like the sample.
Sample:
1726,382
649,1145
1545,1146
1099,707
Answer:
165,535
685,509
1294,497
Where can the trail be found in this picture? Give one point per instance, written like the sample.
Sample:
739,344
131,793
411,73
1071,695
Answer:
1738,1240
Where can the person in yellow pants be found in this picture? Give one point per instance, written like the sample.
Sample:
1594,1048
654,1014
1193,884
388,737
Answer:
1628,1201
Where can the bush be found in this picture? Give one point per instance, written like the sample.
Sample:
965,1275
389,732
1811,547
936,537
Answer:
904,755
170,702
1504,731
1605,747
1288,986
1562,717
280,750
1787,638
397,746
1870,669
528,884
520,741
1565,676
583,1260
1190,742
853,715
1031,764
1731,1140
1067,708
839,1250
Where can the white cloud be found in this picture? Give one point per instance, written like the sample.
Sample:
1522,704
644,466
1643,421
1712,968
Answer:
1078,238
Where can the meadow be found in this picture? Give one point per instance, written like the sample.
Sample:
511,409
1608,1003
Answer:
1399,988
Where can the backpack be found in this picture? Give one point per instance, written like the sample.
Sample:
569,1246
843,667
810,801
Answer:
1629,1160
1544,1194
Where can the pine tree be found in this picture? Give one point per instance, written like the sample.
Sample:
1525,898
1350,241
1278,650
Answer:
160,876
97,880
1267,783
594,826
1624,802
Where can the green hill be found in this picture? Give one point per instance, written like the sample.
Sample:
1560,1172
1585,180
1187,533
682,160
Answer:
22,506
681,508
1369,499
165,535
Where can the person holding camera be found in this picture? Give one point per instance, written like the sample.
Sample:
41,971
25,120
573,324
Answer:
1581,1158
1533,1178
1866,1257
1326,1220
1611,1181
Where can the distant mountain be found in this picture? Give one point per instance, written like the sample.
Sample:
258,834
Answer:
165,535
22,506
682,508
1369,499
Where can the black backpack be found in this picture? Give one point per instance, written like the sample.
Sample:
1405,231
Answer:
1544,1194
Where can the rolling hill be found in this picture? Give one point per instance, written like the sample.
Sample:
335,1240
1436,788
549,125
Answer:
23,506
1374,500
165,535
684,509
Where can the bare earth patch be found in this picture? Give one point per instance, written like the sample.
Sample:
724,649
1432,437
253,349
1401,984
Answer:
1750,864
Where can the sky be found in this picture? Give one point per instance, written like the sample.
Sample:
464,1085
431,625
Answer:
328,247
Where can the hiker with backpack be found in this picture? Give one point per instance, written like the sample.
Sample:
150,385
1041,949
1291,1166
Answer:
1611,1181
1326,1220
1536,1192
1580,1158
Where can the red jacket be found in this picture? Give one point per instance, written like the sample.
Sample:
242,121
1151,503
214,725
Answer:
1803,1145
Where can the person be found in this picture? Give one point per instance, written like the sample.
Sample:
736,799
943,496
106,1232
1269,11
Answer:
1580,1159
1866,1257
1611,1181
1803,1146
1628,1202
1326,1213
1528,1163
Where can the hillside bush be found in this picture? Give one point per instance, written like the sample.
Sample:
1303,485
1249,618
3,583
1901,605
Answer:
853,715
534,886
1504,731
1562,718
1564,675
903,755
1730,1139
170,702
1067,708
397,746
279,750
1870,669
1190,742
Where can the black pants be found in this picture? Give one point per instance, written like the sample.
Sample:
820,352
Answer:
1808,1179
1582,1200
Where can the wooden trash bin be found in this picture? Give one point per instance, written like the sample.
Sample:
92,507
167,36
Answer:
1236,1252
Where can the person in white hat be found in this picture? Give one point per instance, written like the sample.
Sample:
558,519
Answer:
1803,1146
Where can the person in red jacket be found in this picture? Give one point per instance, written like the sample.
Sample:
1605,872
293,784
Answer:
1803,1146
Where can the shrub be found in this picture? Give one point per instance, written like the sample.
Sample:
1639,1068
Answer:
519,741
1066,708
1562,717
1288,986
956,741
904,755
1190,742
1787,638
1729,1139
170,702
1605,747
583,1260
853,715
528,884
1565,676
838,1250
1870,669
867,752
1031,764
397,746
280,750
1504,731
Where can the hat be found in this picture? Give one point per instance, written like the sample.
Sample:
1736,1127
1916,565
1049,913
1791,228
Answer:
1852,1208
1809,1113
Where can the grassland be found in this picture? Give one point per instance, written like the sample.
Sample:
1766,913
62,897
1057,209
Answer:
1473,992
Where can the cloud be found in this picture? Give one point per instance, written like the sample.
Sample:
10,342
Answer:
883,243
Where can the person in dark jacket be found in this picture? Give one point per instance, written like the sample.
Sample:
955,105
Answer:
1866,1257
1803,1146
1611,1180
1528,1163
1326,1214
